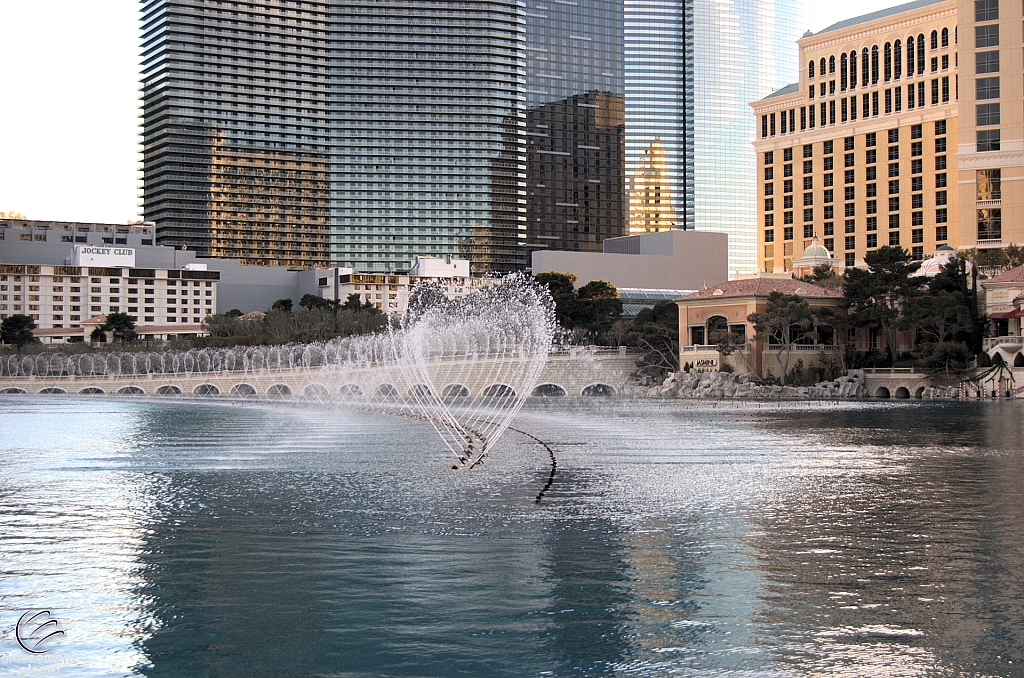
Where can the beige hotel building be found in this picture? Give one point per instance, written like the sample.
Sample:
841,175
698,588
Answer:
868,148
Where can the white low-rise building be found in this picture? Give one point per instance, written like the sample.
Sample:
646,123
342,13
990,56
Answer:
61,299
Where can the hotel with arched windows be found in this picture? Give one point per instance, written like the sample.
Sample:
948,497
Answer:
868,149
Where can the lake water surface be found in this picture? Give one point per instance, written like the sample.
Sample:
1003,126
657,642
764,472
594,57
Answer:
677,539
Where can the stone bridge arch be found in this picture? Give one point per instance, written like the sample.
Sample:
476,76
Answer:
598,389
549,391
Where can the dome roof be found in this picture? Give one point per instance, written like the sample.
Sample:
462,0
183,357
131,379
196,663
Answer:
815,250
931,267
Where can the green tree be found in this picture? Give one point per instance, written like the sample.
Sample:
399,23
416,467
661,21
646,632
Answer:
353,303
656,332
825,276
234,313
591,311
17,330
122,326
311,301
284,305
879,296
786,320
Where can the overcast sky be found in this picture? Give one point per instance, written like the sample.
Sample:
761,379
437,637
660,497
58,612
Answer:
69,104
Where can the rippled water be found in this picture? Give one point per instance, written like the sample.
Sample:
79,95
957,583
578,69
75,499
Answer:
177,539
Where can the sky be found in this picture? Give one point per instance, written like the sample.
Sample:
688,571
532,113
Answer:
69,109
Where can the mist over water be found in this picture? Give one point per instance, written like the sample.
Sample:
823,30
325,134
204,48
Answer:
678,538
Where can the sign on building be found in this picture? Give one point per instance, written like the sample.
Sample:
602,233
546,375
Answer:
102,255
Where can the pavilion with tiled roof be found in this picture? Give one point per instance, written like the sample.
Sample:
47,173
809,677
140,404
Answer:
1004,306
720,313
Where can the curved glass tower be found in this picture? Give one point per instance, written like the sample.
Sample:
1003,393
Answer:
692,67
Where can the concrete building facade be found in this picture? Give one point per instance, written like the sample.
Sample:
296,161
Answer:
681,260
862,151
990,153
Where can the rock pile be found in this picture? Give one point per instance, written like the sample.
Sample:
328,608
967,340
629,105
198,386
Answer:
694,384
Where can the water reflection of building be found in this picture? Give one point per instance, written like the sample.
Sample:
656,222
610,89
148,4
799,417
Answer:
650,198
574,172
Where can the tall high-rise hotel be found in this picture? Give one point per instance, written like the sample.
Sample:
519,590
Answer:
363,133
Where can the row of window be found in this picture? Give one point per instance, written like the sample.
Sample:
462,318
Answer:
892,63
871,104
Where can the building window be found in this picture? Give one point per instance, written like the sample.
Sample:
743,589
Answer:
769,189
787,218
986,10
810,69
850,259
894,186
897,59
787,170
808,199
808,183
986,62
990,224
808,215
827,196
851,225
941,216
769,157
851,242
808,166
917,235
986,36
769,220
830,244
828,164
940,180
869,140
935,92
872,207
769,204
894,204
849,193
894,169
894,221
990,184
871,190
888,101
769,235
871,157
917,253
808,150
874,65
940,197
988,140
945,89
987,114
894,238
787,155
941,233
940,162
829,228
872,240
945,37
872,223
769,173
829,212
849,209
917,201
827,180
935,40
787,186
787,233
917,218
808,230
827,148
940,128
894,153
848,160
894,136
910,96
787,202
916,150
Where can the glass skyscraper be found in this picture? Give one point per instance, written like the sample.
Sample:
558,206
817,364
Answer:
692,68
363,133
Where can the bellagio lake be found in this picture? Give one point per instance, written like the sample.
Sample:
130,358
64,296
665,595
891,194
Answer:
675,539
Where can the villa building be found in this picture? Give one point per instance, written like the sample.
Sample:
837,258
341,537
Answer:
1004,305
719,314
